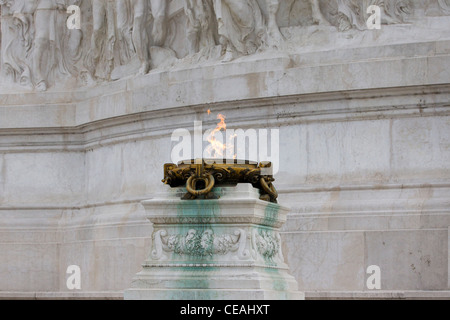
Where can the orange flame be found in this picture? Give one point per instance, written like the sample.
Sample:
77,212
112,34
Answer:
217,149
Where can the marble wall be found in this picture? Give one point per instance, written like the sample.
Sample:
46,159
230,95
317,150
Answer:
364,151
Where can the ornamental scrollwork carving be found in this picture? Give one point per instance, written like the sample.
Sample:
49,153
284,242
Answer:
201,178
199,244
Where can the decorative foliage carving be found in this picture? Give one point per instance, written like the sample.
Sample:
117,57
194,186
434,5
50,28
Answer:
200,244
267,244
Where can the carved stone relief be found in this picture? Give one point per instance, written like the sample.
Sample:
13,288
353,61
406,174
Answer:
263,245
120,38
199,244
445,6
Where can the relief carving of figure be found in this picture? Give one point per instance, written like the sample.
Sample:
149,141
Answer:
274,36
132,32
140,35
103,39
445,6
47,53
353,12
74,39
38,49
200,25
159,13
72,42
240,25
273,31
133,19
17,40
124,29
317,15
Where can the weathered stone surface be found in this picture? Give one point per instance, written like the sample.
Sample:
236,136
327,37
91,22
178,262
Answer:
229,248
364,148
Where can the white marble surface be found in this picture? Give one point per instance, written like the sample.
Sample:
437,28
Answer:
244,260
122,39
364,158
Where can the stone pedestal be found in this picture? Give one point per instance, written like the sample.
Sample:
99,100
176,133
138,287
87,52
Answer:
229,248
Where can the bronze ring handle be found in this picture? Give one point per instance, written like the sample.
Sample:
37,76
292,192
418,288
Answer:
192,181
